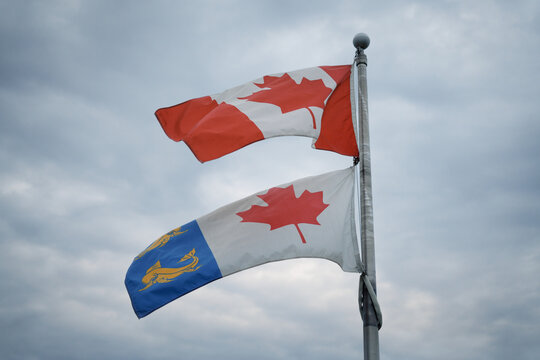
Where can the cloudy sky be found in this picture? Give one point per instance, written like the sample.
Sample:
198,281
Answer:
88,179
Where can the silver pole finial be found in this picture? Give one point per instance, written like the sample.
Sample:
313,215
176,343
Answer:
361,41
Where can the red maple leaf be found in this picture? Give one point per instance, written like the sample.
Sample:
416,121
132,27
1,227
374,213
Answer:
284,208
284,92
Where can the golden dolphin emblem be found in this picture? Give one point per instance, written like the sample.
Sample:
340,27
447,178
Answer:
156,274
161,241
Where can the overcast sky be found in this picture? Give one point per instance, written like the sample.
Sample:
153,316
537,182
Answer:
88,178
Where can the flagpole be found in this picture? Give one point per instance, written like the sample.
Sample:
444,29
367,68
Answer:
369,315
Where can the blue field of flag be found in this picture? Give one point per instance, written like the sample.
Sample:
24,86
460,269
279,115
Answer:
173,265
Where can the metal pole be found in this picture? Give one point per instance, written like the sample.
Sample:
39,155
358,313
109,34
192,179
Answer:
367,240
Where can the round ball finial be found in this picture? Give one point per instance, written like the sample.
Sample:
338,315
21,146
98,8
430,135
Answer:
361,41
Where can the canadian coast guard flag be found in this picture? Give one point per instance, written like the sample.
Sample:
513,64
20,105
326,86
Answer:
311,217
313,102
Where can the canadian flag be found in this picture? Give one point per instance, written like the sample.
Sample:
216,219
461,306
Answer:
313,102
